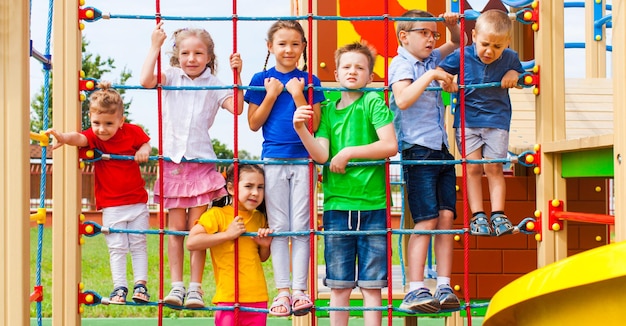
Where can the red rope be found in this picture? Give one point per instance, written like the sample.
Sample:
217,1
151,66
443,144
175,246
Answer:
160,144
387,178
466,235
236,164
312,175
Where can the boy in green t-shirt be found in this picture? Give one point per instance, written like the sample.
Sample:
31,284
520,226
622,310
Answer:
356,127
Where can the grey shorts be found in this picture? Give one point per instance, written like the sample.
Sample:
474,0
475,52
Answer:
494,142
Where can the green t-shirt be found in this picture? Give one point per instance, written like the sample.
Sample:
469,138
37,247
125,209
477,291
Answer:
361,187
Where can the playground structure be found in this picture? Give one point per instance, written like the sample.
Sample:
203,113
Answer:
551,131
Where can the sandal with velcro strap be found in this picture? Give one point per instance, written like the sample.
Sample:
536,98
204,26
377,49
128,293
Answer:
479,225
140,293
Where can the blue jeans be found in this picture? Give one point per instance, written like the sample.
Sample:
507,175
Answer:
430,188
343,252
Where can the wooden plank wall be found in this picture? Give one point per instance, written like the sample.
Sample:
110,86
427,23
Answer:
588,112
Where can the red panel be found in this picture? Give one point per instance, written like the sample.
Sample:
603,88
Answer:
481,261
488,285
511,241
588,234
519,261
572,236
457,279
587,190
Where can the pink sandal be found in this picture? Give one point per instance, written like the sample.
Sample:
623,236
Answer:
304,303
280,302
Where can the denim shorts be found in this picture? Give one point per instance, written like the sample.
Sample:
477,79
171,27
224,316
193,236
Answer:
343,252
493,142
430,188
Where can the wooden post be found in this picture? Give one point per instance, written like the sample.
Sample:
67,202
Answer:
66,188
550,123
619,114
595,51
14,200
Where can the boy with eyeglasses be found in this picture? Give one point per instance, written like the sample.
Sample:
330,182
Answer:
419,121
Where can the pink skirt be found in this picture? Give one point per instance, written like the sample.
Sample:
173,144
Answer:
189,185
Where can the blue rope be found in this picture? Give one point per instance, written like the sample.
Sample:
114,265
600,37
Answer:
44,151
469,14
320,88
99,229
98,156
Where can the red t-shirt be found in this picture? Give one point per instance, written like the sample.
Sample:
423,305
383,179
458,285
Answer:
119,182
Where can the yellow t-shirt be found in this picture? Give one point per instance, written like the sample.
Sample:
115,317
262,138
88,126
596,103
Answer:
252,285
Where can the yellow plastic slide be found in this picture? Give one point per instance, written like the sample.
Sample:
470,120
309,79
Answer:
585,289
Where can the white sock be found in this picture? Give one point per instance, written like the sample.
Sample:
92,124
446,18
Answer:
194,286
442,280
416,285
180,284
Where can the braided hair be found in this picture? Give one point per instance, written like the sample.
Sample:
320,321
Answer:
289,24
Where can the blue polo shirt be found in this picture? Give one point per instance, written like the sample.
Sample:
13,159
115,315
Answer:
423,122
484,107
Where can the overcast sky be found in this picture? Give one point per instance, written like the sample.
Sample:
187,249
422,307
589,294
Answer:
127,42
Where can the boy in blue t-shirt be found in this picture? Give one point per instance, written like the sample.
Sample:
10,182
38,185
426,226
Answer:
487,115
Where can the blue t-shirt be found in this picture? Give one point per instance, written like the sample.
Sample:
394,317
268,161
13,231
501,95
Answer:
422,123
280,139
484,107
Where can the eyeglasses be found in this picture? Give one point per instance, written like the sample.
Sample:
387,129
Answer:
427,33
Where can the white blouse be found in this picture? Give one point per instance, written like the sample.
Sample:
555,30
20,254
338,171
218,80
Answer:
189,114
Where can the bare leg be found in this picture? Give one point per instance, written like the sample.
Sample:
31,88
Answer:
372,298
497,186
339,298
444,244
197,257
417,250
176,221
474,182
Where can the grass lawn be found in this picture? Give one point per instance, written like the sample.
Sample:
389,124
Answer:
96,276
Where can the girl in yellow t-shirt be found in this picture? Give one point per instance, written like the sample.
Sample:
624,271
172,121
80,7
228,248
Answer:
217,229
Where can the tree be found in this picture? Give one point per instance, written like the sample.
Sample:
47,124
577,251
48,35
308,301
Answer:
94,66
223,152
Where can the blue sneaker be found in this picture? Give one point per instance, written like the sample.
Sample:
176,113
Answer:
420,300
447,299
501,225
479,225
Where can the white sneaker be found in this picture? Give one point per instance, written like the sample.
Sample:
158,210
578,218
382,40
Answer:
194,299
176,296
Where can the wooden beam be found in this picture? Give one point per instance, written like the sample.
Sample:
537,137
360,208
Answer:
14,197
550,122
580,144
66,192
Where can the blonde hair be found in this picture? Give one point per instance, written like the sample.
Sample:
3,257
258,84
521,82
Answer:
181,34
106,100
357,47
406,25
494,21
288,24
